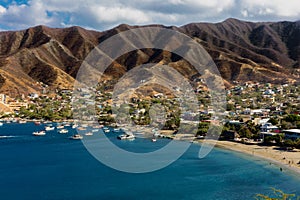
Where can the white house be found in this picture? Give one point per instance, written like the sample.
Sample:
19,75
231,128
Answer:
292,134
268,127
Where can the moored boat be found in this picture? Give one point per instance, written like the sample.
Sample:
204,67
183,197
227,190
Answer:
39,133
81,128
127,136
49,128
63,131
76,137
60,127
89,134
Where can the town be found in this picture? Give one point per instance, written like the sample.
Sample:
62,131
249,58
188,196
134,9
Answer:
255,113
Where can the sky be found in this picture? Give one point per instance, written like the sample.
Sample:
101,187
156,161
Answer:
105,14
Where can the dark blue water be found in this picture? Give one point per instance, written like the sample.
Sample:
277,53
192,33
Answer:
54,167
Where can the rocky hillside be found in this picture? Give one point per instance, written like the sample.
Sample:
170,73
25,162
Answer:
243,51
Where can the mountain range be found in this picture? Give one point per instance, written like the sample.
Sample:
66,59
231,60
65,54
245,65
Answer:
243,51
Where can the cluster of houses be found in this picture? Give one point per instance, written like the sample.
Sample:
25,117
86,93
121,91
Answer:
250,101
10,105
268,129
260,102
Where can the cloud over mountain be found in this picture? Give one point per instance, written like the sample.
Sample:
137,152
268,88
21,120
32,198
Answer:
106,14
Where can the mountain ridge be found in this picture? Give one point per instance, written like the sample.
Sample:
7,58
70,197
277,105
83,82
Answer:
243,51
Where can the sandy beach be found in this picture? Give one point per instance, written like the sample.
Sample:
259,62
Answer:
286,159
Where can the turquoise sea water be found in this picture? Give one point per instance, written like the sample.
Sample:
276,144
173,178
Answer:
54,167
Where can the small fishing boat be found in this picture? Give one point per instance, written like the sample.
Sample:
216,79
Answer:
63,131
81,129
127,136
76,137
39,133
74,125
60,127
49,128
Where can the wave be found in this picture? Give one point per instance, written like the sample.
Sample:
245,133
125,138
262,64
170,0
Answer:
7,136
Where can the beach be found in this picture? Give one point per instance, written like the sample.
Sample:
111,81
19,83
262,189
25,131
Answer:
283,158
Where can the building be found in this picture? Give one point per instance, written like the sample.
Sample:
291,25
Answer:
16,106
268,127
292,134
3,98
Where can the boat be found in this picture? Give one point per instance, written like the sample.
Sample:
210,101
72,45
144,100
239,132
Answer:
81,129
127,136
22,121
153,140
60,127
1,124
97,126
76,137
37,123
106,130
116,130
74,125
89,134
49,128
63,131
39,133
95,130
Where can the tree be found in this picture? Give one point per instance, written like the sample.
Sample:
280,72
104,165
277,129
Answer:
292,118
273,121
289,143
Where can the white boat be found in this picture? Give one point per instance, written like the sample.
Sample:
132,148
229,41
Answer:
81,129
153,140
39,133
22,121
106,130
89,134
63,131
60,127
74,125
95,130
127,136
97,126
49,128
1,124
76,137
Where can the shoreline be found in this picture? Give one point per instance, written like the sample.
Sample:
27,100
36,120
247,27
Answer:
284,159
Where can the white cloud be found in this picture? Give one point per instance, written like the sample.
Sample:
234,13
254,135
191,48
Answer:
23,16
2,10
280,8
105,14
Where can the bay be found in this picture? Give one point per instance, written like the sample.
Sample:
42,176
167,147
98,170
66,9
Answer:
55,167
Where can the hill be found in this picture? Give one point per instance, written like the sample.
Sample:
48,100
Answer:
243,51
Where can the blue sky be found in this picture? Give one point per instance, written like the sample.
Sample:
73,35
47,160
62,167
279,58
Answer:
105,14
